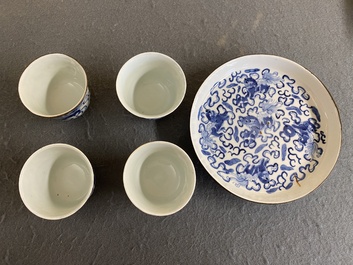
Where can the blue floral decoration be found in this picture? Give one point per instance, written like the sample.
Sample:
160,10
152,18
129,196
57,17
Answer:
258,131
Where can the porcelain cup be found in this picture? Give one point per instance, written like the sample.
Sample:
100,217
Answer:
56,181
159,178
55,86
151,85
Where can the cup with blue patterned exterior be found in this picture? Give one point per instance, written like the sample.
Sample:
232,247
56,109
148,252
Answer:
54,86
151,85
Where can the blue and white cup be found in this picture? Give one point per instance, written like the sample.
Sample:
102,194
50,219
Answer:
56,181
55,86
151,85
159,178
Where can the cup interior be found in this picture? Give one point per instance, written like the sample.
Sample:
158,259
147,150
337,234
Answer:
159,178
52,85
151,85
56,181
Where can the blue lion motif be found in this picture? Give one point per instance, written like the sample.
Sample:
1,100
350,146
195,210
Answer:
259,131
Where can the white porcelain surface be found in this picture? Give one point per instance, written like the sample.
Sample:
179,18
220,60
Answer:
151,85
159,178
54,85
265,128
56,181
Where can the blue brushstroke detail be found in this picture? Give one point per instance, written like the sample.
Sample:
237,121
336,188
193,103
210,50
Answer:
286,168
289,186
296,109
260,148
235,135
216,120
232,162
254,70
223,149
272,190
79,110
227,105
232,85
199,113
284,152
206,153
316,112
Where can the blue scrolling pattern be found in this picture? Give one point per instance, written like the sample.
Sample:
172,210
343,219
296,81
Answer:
258,131
79,110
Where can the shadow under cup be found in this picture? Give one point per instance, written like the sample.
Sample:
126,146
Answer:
53,86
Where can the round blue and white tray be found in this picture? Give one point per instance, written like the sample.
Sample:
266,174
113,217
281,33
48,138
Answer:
265,128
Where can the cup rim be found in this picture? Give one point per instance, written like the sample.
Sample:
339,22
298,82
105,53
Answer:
62,113
79,205
185,157
149,116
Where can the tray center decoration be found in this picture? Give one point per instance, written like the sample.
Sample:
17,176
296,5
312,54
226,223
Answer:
260,131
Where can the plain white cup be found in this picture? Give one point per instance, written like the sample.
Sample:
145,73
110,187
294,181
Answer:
56,181
159,178
151,85
54,86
